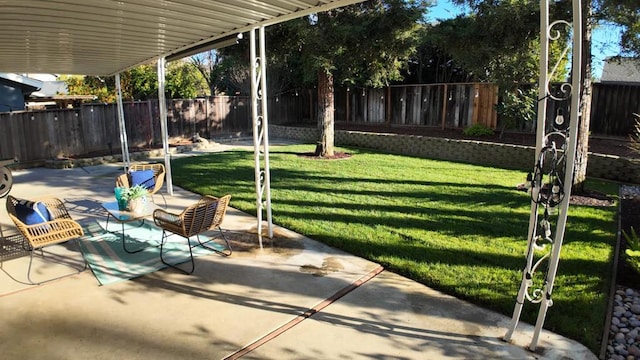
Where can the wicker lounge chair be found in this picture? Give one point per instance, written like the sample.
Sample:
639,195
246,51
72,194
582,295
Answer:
206,214
58,229
153,185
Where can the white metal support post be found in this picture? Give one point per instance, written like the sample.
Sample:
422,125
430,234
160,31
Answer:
126,161
162,103
260,129
551,179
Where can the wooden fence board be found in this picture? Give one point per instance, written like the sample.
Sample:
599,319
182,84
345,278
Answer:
413,105
432,105
612,108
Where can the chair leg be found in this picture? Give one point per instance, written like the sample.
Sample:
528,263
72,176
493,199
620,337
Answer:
226,252
84,267
165,236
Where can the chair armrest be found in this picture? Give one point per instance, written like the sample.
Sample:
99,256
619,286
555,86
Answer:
123,181
159,179
56,207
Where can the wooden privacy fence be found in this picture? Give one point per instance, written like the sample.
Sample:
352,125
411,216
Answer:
612,108
442,105
93,128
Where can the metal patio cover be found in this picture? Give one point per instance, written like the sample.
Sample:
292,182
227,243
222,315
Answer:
105,37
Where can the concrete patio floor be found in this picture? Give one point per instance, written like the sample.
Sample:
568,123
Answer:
294,299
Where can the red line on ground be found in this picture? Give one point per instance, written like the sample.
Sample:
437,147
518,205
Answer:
307,314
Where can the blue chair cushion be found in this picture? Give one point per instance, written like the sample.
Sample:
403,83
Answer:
32,213
143,177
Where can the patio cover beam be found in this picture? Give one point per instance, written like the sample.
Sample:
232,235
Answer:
260,129
124,145
162,103
106,37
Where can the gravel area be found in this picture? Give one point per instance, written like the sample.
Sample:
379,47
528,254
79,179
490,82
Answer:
624,332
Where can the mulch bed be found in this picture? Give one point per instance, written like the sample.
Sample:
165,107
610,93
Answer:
336,156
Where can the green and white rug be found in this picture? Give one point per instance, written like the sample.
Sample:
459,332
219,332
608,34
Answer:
109,262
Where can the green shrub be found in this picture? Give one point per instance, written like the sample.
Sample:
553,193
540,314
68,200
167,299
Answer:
517,107
633,248
134,192
478,130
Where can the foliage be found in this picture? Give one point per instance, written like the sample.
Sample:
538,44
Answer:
432,63
625,13
319,49
382,33
517,107
134,192
183,81
633,248
89,85
499,43
633,241
635,135
478,130
217,71
455,227
140,83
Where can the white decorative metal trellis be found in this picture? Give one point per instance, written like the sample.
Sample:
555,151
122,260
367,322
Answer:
260,129
550,180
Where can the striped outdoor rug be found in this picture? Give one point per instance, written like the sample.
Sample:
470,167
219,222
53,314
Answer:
110,263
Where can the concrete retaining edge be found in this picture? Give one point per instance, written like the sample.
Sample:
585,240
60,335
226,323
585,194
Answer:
506,156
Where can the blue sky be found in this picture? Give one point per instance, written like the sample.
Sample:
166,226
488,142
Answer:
604,38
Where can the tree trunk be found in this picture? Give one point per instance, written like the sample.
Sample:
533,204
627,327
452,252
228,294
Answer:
580,169
325,114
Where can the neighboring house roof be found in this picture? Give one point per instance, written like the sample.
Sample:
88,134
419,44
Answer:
621,70
28,85
42,89
51,88
37,85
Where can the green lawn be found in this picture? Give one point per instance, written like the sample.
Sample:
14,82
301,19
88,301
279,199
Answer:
455,227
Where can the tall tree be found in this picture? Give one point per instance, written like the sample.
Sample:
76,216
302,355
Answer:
626,14
559,11
582,148
184,81
212,69
366,44
498,43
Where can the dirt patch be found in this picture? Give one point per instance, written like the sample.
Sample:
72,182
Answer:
247,244
329,265
336,156
591,198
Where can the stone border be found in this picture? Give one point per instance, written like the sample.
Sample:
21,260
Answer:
506,156
136,156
